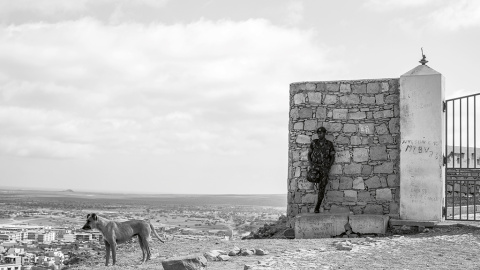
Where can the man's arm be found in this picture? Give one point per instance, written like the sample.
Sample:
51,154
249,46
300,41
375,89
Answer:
310,151
332,155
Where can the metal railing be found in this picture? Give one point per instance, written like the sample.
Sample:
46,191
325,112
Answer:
462,181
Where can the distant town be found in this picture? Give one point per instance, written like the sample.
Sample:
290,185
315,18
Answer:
42,230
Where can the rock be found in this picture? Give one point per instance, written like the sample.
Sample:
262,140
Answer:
289,233
234,252
246,252
190,262
223,257
261,252
213,254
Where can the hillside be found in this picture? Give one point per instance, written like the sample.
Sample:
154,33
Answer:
446,247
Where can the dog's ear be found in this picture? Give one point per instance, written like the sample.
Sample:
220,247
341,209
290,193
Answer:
88,216
94,216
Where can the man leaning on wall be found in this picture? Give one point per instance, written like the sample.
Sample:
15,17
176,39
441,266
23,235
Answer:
321,156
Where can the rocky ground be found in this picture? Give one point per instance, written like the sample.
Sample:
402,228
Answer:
448,246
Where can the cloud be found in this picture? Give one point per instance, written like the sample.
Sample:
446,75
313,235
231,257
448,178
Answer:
87,87
456,15
111,11
295,11
426,15
389,5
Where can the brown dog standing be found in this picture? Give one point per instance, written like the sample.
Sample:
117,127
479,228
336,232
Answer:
119,232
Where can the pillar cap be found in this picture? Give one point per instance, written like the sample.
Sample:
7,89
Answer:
422,70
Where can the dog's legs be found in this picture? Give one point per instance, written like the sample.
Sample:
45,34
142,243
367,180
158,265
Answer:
114,252
107,250
142,246
147,249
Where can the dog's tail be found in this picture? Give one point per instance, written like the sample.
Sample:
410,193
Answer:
155,233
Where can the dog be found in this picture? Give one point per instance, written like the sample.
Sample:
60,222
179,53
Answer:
119,232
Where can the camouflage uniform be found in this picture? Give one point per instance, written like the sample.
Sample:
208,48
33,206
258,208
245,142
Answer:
320,155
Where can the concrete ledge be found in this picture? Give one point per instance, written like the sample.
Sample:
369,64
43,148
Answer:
309,226
366,224
401,222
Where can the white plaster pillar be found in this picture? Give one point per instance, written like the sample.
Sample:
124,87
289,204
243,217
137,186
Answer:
421,152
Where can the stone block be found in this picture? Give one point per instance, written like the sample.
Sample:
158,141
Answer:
378,152
299,98
379,99
350,128
373,182
368,100
297,172
386,167
366,169
340,113
393,207
336,169
360,154
364,196
383,194
310,86
392,180
383,181
392,99
293,184
309,198
385,139
357,115
305,113
381,129
304,139
298,126
385,86
311,226
394,125
373,88
334,184
342,156
314,98
333,127
334,196
355,140
345,88
297,197
345,183
321,113
413,223
339,209
294,114
350,195
330,99
369,224
320,87
373,209
353,168
342,140
359,88
303,184
193,262
310,124
304,155
358,183
333,87
350,99
366,128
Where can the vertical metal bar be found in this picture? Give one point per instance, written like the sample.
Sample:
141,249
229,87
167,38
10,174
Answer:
467,194
468,142
475,154
446,161
453,133
460,147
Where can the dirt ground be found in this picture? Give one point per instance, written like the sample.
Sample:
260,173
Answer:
443,247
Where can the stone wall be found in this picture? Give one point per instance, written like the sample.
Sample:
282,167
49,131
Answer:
362,121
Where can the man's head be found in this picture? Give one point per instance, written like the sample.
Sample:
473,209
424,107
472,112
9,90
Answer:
321,131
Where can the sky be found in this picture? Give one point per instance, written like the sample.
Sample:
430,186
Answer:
191,96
